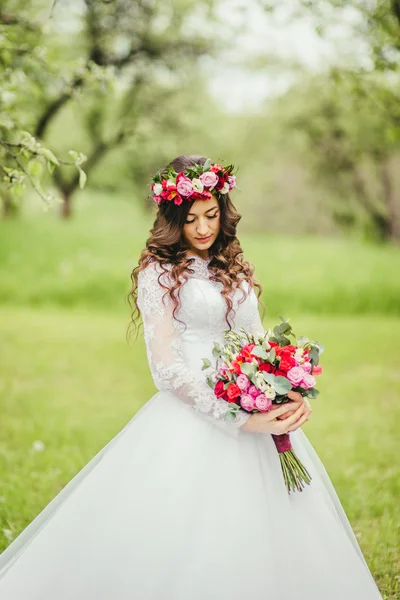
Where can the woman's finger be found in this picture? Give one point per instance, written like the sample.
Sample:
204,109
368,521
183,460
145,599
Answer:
277,412
295,396
300,422
285,423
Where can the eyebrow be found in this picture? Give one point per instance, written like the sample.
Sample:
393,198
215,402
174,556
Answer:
207,211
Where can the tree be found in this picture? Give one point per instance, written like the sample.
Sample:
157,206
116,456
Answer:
121,61
351,116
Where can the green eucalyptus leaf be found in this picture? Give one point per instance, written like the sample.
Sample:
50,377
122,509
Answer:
269,378
282,385
206,363
259,351
272,355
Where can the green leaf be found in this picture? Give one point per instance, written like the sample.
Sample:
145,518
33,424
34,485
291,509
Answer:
248,369
206,363
49,156
82,178
73,154
259,351
272,355
210,381
269,377
312,393
282,385
207,165
302,340
314,356
35,167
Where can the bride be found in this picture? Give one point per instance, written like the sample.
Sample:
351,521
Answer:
184,503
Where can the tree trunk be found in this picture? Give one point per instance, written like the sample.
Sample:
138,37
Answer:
8,208
379,219
66,206
392,206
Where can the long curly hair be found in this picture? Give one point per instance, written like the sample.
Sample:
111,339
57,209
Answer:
167,246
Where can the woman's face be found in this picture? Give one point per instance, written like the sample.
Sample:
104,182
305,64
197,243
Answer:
202,225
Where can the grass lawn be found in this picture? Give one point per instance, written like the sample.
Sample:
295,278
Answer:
70,382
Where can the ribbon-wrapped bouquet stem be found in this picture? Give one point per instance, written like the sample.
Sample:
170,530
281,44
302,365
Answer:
256,371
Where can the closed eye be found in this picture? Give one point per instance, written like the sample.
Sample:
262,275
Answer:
208,217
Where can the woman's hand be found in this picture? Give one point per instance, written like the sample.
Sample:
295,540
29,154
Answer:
275,423
297,399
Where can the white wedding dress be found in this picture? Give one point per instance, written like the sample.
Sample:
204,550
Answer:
182,504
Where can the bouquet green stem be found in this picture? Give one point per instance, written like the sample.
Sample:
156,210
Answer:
295,475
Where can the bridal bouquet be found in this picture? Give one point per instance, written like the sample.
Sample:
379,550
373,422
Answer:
254,372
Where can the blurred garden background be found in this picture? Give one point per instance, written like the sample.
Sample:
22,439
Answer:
97,95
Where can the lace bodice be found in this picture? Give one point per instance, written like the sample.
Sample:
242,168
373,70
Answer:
176,346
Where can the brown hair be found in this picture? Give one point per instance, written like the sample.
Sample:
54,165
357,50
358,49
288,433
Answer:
167,246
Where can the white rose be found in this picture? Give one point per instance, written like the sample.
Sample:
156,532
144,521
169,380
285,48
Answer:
157,189
270,393
225,189
197,185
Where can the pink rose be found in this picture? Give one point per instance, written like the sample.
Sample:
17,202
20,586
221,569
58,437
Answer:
253,391
317,370
263,403
295,375
247,402
209,179
184,185
243,382
232,182
306,366
308,381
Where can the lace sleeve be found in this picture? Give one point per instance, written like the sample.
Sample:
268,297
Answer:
162,334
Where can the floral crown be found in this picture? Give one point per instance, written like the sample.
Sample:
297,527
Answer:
197,182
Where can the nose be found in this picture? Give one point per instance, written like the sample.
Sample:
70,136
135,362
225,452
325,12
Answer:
202,228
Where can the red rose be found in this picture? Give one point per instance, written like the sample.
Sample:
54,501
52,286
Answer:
273,344
233,392
280,373
285,350
287,362
219,390
267,367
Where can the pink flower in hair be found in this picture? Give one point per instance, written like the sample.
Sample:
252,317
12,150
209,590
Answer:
209,179
178,200
184,186
232,182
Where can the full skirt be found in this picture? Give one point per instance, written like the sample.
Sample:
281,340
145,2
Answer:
175,508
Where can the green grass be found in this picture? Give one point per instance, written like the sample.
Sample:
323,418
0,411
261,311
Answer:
70,381
87,263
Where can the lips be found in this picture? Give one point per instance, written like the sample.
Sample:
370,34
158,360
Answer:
205,239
